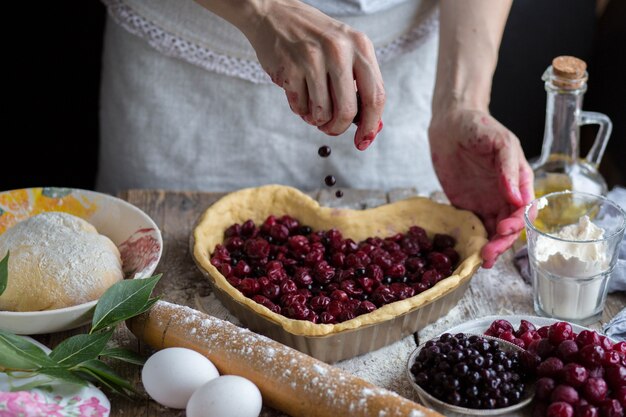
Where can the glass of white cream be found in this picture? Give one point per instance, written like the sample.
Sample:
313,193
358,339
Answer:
573,244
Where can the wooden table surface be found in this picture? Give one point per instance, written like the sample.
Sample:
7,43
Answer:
182,283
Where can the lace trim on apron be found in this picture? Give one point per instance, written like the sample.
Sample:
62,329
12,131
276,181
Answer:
249,70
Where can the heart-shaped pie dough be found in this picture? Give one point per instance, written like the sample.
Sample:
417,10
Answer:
258,203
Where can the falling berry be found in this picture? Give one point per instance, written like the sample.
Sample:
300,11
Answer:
330,180
324,151
339,194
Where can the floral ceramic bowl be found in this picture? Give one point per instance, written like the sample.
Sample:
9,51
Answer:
137,237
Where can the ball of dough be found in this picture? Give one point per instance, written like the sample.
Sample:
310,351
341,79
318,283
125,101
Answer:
57,260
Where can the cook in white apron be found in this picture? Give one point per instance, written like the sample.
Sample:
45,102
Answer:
186,105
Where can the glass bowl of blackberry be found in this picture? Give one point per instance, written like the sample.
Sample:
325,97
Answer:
467,374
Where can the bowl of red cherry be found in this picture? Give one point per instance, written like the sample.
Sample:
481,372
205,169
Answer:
577,372
467,374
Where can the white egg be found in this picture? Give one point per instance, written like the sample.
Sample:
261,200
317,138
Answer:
171,375
226,396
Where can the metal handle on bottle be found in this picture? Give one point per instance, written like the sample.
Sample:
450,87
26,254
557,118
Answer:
604,132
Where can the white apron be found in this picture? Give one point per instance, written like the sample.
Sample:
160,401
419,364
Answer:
185,105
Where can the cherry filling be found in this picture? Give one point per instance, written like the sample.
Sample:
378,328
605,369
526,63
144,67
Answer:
322,277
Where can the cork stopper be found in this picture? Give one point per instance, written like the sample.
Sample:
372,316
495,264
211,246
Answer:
569,71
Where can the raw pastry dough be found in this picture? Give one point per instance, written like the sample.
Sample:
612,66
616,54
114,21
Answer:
57,260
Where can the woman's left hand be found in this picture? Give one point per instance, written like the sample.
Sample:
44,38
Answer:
482,168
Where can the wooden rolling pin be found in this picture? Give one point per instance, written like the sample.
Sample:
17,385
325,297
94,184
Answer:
290,381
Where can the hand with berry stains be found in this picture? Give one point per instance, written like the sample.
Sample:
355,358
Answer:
481,167
479,162
320,62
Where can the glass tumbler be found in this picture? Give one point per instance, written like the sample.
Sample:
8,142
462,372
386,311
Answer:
573,245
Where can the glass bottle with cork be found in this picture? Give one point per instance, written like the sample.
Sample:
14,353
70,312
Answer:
560,166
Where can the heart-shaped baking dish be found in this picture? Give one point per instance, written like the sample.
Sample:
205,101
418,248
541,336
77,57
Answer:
364,333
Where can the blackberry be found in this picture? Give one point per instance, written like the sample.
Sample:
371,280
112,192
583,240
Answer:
469,371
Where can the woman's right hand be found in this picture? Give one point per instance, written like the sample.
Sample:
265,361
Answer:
318,60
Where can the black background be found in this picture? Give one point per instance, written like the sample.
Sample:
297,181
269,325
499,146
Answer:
54,49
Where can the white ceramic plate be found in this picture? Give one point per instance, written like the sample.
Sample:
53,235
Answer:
57,399
133,231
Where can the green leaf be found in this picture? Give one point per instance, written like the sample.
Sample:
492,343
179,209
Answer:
80,348
32,384
148,305
19,353
12,360
4,273
55,375
62,374
105,371
104,374
122,301
125,355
